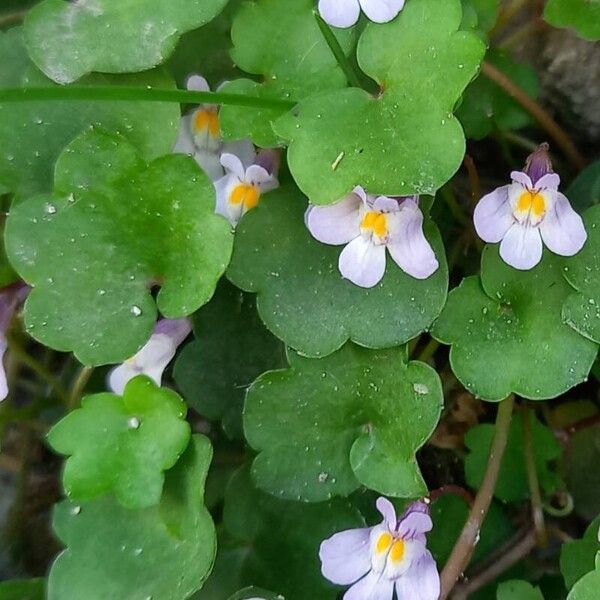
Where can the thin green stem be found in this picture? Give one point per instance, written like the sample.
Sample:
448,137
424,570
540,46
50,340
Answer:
119,93
78,386
429,350
537,508
455,208
465,545
338,52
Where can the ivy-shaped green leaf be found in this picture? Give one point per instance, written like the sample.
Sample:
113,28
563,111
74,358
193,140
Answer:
582,308
507,334
303,299
231,350
32,134
283,538
252,593
114,227
109,36
164,552
486,12
582,15
406,140
584,190
587,587
518,590
323,427
122,444
486,106
512,483
278,40
577,557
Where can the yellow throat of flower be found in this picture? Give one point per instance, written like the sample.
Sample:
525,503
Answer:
375,222
531,202
396,548
206,119
245,194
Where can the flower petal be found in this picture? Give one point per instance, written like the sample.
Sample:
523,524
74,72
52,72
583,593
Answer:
415,521
493,216
223,207
339,13
257,174
562,228
360,192
386,205
522,178
362,262
421,581
184,143
197,83
388,512
550,181
408,245
521,247
210,163
119,377
3,380
337,223
234,165
345,556
372,587
243,149
381,11
175,329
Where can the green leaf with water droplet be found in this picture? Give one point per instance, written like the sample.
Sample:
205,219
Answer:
512,483
231,350
303,299
582,308
406,140
507,333
114,228
324,427
485,106
32,134
163,552
122,444
254,593
282,538
109,36
581,15
280,42
518,590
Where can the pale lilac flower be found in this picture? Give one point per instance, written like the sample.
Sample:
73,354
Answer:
11,299
154,356
345,13
200,133
528,212
368,225
248,175
377,560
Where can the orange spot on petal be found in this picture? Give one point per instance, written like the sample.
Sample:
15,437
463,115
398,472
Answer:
246,194
207,119
376,222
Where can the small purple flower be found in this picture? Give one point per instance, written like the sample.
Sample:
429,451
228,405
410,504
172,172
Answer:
345,13
368,225
528,212
154,356
248,175
375,560
11,299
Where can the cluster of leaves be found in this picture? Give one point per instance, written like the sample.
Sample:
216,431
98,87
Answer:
313,379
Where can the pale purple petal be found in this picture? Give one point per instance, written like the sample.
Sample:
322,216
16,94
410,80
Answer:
269,159
421,581
345,556
362,262
210,163
388,512
493,216
360,192
337,223
522,178
562,228
521,247
415,521
372,587
223,188
408,245
550,181
381,11
243,149
175,329
3,380
233,164
184,143
386,205
197,83
257,174
339,13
